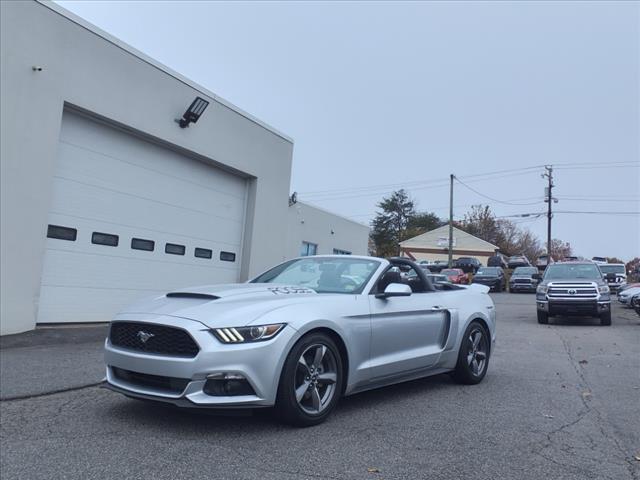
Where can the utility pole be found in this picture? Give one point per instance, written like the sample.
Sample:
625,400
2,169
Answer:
549,199
451,223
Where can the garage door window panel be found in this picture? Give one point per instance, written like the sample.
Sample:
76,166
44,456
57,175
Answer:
62,233
227,256
108,239
174,249
142,244
203,253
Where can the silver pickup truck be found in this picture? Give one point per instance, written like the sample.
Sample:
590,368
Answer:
573,289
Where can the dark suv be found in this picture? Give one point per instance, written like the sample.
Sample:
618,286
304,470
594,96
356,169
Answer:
524,279
573,288
467,264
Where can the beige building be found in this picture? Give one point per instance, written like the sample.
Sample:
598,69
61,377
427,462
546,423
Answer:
434,245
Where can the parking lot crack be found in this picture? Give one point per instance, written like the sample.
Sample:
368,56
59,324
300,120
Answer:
585,392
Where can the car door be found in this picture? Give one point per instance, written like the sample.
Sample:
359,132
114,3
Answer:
407,333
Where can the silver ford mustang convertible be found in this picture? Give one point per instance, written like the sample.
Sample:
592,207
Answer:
299,336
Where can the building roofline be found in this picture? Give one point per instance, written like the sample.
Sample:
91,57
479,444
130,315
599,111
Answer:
331,213
154,63
405,243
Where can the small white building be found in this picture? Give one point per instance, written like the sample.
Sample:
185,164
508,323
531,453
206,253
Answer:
434,245
314,231
105,197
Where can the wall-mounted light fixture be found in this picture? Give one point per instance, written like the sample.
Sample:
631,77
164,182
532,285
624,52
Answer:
193,112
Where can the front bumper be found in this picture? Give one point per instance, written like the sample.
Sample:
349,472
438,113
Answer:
522,287
493,283
260,363
573,307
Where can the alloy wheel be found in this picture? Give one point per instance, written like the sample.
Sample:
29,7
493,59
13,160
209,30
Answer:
477,351
315,378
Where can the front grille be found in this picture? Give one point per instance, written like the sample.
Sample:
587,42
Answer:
521,280
572,291
152,338
155,382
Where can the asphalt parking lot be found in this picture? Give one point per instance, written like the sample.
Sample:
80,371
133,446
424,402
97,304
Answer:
559,402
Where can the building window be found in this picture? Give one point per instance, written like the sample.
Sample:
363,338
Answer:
107,239
337,251
174,249
62,233
227,256
308,249
142,244
203,253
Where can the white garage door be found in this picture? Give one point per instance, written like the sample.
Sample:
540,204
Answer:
130,219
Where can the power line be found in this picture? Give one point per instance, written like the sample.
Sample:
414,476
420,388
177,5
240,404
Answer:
598,212
491,198
476,177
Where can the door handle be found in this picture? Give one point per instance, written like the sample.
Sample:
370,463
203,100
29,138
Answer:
437,308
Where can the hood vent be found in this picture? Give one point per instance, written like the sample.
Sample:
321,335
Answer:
199,296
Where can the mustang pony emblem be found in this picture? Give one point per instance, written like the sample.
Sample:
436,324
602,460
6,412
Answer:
144,336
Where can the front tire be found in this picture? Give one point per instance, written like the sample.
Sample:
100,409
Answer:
543,318
473,356
311,381
605,319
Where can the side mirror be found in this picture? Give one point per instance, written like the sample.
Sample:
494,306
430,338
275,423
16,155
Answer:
610,277
537,276
395,290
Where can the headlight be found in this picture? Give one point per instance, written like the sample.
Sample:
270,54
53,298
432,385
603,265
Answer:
257,333
542,289
603,289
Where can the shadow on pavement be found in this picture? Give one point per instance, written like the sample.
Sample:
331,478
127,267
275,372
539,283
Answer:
169,417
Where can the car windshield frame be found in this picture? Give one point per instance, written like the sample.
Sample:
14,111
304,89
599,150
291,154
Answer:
488,271
565,271
340,266
452,271
611,268
521,271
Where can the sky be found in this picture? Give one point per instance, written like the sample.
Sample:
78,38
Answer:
384,95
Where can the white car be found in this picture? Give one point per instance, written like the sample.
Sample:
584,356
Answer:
615,274
300,336
625,295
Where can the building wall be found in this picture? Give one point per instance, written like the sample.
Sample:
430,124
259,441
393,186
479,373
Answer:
93,72
311,224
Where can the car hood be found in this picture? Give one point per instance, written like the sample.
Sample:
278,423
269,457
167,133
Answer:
486,277
221,305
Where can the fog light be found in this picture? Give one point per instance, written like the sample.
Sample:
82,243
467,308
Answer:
225,376
227,385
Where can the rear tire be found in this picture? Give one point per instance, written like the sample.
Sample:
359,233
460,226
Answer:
473,356
311,381
543,318
605,319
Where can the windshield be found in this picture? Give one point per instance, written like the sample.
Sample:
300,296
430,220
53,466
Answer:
525,271
438,278
487,271
568,271
450,271
612,269
323,274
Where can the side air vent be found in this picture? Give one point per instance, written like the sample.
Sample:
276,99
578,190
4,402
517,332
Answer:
201,296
